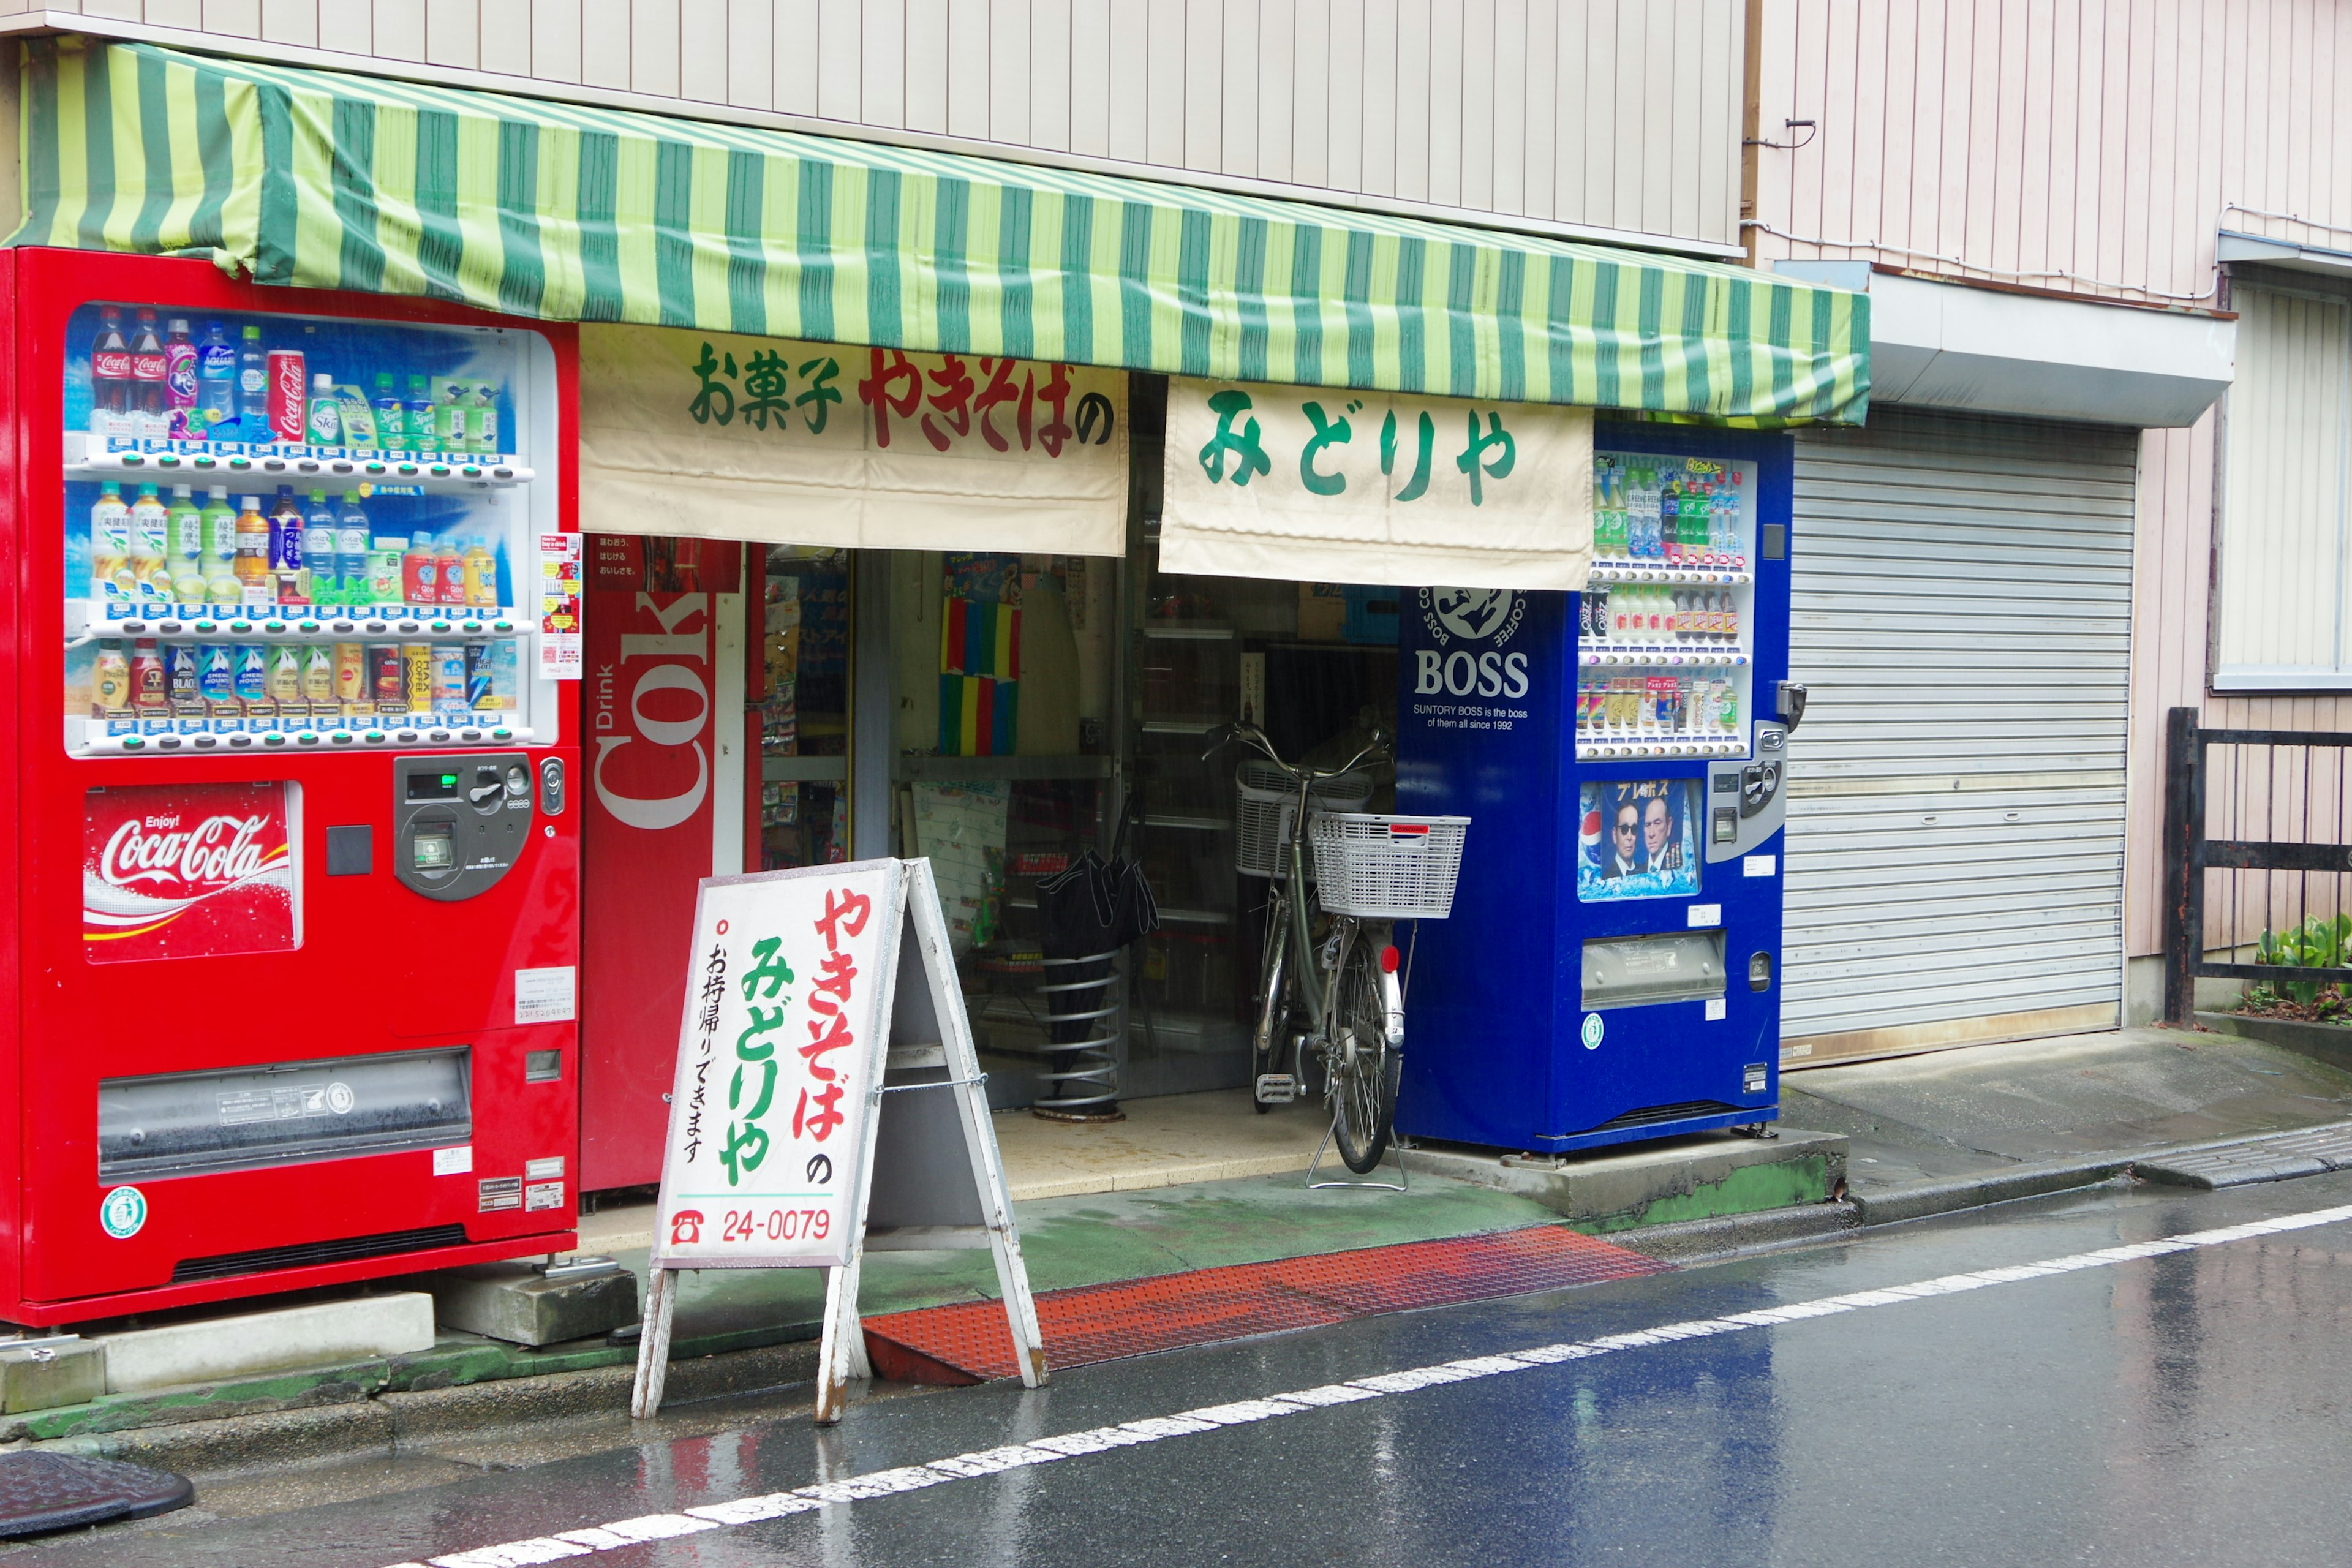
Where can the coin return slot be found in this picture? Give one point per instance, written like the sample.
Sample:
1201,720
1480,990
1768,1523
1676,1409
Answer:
542,1067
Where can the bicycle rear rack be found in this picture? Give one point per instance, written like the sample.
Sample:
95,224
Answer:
1085,1076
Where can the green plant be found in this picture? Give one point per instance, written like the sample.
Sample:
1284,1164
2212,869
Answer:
2332,1005
2319,942
2260,997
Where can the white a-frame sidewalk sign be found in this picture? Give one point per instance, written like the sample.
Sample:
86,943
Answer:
828,1102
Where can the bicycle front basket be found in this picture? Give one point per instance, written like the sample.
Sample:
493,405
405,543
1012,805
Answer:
1387,867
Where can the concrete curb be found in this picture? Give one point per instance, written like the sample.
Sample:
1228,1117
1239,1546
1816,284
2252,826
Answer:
1921,1200
383,1424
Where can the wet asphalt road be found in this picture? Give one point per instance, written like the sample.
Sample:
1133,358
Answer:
2184,1408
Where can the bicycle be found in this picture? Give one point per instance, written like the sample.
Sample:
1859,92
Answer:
1368,871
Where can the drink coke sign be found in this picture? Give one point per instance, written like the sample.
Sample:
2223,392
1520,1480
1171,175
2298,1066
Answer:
189,871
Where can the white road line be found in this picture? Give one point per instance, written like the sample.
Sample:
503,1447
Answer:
588,1540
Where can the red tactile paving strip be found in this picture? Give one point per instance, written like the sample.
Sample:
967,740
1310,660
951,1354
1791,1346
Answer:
968,1342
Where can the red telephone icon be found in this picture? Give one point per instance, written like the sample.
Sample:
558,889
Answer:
686,1227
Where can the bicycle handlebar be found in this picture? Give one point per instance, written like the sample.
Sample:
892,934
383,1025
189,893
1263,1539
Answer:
1252,736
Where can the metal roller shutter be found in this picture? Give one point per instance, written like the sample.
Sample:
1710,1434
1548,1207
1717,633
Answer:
1955,806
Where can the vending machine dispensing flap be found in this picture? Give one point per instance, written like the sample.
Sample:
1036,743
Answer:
242,1119
1635,971
461,822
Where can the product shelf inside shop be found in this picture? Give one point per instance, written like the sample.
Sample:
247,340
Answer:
1660,572
1667,744
88,622
432,471
1695,655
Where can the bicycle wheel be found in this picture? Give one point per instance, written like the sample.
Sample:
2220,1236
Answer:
1364,1071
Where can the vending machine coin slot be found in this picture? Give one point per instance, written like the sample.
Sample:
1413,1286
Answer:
462,822
550,786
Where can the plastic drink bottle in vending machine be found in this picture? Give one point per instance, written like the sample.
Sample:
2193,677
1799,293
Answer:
110,546
481,575
351,540
390,416
420,426
286,558
180,379
252,388
187,552
318,551
450,424
220,548
289,394
419,577
383,570
483,429
110,377
252,564
151,529
216,382
450,572
323,424
150,399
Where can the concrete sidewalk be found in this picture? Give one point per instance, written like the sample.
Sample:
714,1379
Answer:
1984,1111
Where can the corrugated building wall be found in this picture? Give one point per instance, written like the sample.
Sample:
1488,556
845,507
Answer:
2090,147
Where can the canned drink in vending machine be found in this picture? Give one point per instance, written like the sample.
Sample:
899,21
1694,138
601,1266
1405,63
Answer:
217,682
481,678
251,679
416,661
289,394
448,678
351,693
387,679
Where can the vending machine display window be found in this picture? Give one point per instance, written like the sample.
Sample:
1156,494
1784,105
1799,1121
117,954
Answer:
1640,840
1666,633
289,533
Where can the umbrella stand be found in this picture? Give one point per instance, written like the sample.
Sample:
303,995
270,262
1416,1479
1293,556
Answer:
1082,1013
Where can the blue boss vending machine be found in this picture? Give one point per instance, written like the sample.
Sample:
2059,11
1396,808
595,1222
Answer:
1611,972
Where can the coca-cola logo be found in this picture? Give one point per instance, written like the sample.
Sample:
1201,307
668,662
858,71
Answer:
154,853
651,712
113,366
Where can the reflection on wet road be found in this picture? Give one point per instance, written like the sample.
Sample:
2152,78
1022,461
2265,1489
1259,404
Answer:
2149,1375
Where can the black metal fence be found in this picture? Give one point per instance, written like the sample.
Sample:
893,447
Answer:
2257,858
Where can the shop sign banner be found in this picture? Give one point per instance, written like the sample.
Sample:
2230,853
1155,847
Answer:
788,998
191,871
1315,484
844,446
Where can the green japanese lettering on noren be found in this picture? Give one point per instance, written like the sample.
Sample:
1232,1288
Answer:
1419,484
1328,432
1473,463
1249,456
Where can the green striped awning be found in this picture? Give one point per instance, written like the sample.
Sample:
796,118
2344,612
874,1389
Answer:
566,212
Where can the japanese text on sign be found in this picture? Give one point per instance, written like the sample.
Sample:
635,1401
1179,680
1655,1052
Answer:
778,1054
1386,488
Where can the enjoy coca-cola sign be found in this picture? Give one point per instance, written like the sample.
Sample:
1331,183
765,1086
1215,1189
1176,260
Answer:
188,872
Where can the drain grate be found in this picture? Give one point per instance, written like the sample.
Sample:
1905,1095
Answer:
966,1343
42,1492
2312,1152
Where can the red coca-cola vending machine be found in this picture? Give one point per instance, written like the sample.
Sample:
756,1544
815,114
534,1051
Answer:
292,636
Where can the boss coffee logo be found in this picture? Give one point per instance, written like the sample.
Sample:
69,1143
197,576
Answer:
1490,616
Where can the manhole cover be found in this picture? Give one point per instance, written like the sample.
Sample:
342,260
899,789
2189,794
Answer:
41,1492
